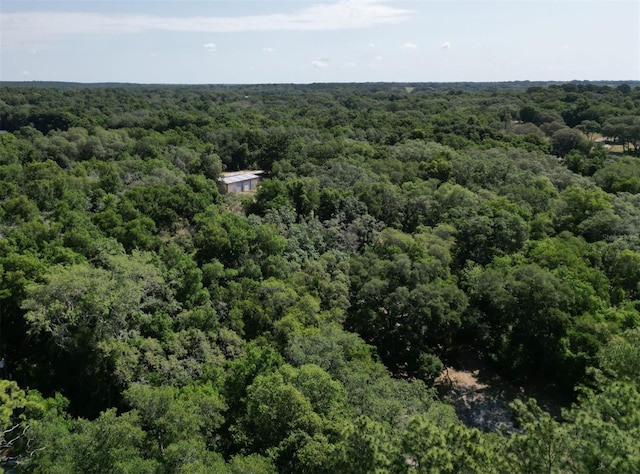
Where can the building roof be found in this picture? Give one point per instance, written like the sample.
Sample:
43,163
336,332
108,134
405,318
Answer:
236,178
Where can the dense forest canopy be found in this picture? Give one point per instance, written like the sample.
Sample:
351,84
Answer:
149,323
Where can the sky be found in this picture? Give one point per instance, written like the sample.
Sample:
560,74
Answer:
300,41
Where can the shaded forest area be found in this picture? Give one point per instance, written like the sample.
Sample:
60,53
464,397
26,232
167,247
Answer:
149,324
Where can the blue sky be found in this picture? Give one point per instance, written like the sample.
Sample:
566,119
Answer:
300,41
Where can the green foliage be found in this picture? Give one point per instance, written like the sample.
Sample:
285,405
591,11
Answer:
272,194
524,317
580,206
622,175
620,357
625,130
275,410
169,415
368,447
17,410
606,426
300,329
565,140
111,443
81,305
542,447
427,447
600,434
528,113
407,304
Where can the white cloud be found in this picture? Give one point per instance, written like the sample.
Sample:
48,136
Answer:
27,27
209,47
410,46
268,50
350,64
320,63
25,73
445,45
371,45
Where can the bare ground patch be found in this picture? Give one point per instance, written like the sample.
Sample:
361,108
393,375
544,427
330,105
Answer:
477,404
481,397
